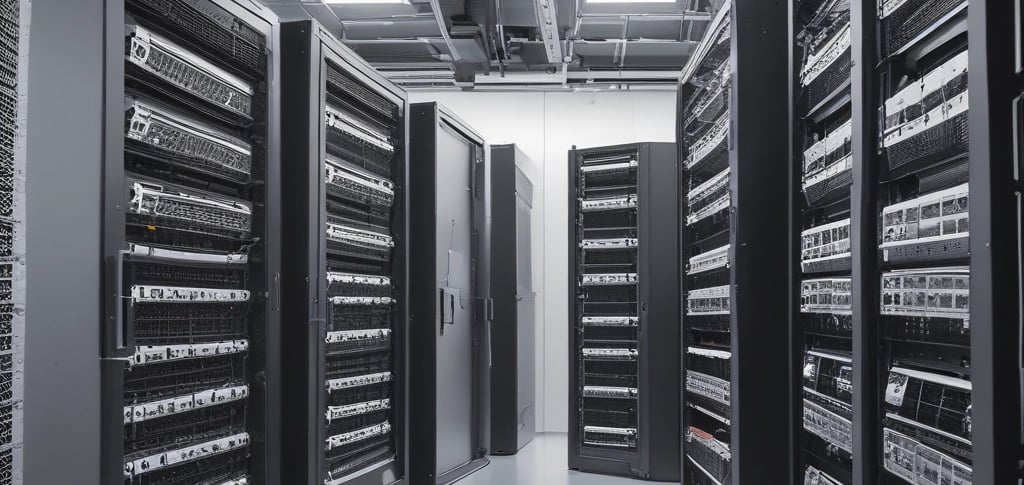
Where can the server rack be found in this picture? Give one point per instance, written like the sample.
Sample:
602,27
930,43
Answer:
935,274
912,251
704,98
821,158
512,366
189,243
738,397
345,274
13,63
449,297
957,345
624,296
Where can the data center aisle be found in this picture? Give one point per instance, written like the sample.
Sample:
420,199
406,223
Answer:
541,462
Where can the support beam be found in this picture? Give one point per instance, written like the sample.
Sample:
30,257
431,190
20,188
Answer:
759,240
868,373
435,7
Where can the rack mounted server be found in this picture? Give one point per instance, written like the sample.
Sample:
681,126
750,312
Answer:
190,225
625,305
449,299
345,202
513,408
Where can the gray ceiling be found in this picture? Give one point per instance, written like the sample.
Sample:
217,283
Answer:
555,44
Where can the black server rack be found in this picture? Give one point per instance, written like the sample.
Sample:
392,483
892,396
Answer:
738,424
344,276
930,296
624,301
513,411
190,243
449,299
821,160
914,236
705,261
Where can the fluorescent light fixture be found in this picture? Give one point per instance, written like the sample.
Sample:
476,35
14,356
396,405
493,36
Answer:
631,1
367,2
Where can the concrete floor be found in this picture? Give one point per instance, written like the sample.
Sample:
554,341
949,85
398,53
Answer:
542,462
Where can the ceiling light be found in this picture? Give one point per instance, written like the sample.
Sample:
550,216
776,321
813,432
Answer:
366,2
631,1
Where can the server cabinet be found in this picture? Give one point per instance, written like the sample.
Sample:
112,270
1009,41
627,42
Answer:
624,300
911,245
345,293
450,307
513,328
738,395
190,243
821,160
704,99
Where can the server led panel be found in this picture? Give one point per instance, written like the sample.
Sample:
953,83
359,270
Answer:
12,276
823,150
193,265
704,136
923,244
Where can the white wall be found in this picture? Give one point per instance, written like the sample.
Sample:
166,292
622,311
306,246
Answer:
545,125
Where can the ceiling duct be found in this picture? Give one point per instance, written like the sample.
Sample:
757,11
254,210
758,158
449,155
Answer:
465,43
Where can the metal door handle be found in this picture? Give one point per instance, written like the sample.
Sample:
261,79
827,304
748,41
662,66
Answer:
451,307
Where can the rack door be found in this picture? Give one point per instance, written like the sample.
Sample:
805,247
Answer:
455,394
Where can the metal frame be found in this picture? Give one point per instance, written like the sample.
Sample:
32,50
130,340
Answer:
657,456
308,47
793,208
512,426
995,201
761,363
424,121
864,210
116,340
